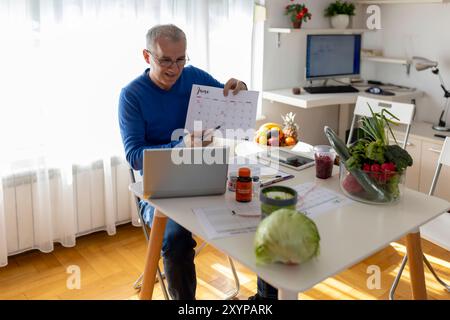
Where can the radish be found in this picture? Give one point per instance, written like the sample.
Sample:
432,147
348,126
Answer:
351,185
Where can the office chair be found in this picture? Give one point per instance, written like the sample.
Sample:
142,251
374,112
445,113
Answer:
444,159
160,276
403,111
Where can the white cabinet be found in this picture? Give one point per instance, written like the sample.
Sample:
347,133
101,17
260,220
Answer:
425,151
414,149
413,173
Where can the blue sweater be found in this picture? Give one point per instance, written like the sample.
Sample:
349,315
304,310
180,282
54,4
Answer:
148,115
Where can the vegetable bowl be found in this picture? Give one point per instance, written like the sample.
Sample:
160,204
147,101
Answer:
371,169
379,186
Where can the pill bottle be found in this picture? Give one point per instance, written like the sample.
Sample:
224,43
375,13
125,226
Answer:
232,179
244,186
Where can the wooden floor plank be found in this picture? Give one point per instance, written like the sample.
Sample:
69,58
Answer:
110,265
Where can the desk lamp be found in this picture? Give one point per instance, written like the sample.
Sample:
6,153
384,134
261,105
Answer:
424,64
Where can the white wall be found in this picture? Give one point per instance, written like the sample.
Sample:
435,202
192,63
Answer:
409,30
284,67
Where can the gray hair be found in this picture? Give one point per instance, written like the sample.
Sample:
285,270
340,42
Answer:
169,31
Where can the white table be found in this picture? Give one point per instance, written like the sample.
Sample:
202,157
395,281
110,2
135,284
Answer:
348,235
343,100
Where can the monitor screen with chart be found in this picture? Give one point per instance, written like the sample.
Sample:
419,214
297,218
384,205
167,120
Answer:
333,56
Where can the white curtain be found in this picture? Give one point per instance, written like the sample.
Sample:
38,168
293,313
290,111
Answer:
62,65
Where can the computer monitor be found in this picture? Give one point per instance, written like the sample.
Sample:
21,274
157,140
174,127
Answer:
333,56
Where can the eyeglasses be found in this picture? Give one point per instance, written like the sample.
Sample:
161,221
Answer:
167,63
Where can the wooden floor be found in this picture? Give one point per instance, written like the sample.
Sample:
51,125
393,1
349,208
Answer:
110,265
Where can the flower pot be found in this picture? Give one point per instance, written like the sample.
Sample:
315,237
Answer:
341,21
297,24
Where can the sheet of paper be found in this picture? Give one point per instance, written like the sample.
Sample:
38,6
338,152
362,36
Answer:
222,222
213,109
314,200
265,172
304,148
237,218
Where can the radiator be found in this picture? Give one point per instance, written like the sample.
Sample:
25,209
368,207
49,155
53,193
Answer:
19,193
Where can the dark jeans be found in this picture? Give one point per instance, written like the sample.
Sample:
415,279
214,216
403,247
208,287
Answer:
178,257
266,291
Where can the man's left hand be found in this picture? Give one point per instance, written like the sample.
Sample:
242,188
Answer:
235,85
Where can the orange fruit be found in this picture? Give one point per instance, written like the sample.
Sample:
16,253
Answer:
290,141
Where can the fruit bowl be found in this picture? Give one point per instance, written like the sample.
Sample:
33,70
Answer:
372,187
277,135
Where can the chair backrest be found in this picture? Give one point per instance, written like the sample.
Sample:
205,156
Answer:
445,153
137,201
133,180
403,111
444,159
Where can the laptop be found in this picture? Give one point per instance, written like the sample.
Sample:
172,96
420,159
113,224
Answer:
185,172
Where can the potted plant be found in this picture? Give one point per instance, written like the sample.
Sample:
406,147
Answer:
298,13
340,13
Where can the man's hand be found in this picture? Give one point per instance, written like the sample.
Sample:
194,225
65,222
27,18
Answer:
235,85
198,139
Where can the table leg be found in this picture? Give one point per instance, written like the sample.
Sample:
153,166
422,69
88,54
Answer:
287,294
153,255
415,259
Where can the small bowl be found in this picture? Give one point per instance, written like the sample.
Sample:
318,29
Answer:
277,197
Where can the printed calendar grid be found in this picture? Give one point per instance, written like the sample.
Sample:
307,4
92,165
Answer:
208,105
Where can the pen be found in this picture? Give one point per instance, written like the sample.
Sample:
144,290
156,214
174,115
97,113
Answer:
216,128
440,136
273,176
268,183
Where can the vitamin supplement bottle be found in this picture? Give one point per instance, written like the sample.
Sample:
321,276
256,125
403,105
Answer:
244,186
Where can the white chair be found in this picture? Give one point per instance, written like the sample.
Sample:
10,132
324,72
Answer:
403,111
444,159
160,276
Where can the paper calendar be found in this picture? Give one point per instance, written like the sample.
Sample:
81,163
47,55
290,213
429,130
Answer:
209,108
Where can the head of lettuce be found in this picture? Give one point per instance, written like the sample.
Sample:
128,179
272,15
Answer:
286,236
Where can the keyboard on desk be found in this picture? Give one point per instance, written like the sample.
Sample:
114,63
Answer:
331,89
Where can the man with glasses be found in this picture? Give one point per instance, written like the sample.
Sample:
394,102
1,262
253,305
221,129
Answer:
151,108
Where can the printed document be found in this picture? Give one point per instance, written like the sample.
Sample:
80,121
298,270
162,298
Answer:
213,109
314,200
235,218
222,222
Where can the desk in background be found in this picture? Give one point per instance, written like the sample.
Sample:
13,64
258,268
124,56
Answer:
343,100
